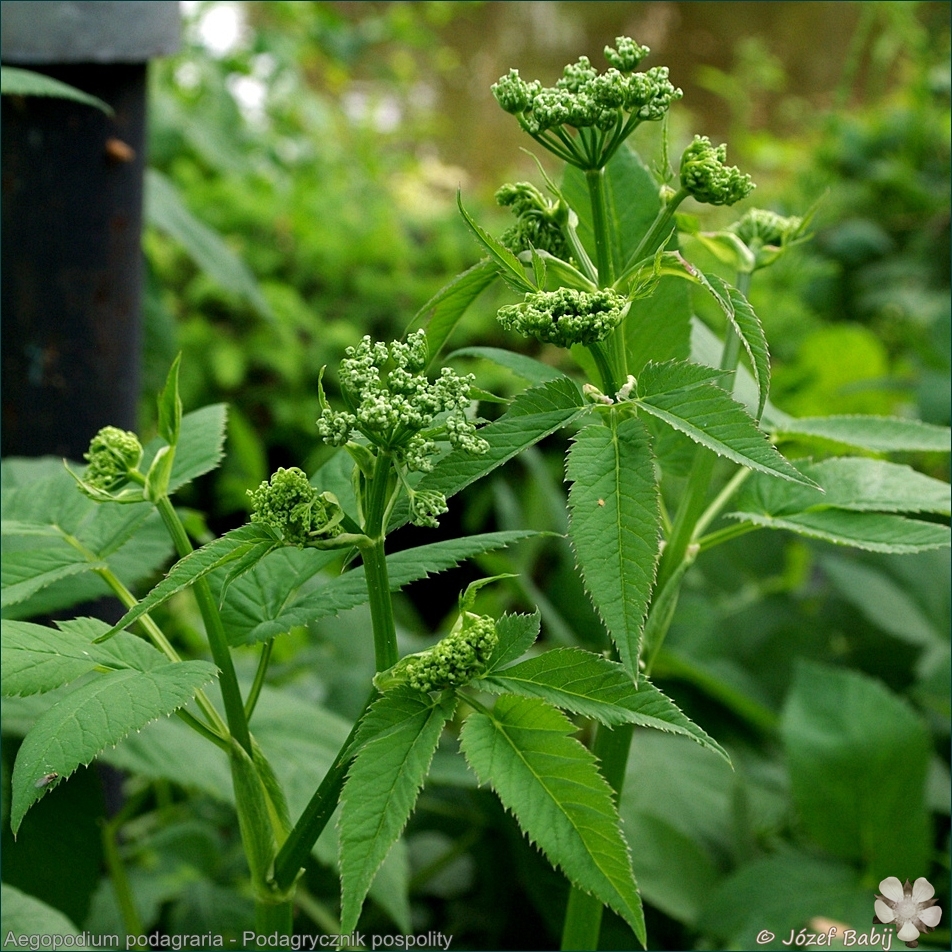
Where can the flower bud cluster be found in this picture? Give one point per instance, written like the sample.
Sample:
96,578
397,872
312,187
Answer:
394,409
538,220
767,234
461,656
566,316
705,175
112,455
289,504
584,98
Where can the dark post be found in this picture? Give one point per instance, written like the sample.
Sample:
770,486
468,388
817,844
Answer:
72,220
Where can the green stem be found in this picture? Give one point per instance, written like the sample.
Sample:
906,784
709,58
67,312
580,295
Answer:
595,178
217,641
297,847
120,881
258,683
725,535
657,234
274,917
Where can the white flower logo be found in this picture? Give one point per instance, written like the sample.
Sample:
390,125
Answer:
912,908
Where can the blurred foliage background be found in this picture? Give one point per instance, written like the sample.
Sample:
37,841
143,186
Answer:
305,159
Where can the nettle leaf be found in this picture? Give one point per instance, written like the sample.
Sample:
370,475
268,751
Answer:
443,311
516,634
93,717
880,434
681,395
615,521
233,545
36,659
382,787
268,601
588,684
525,751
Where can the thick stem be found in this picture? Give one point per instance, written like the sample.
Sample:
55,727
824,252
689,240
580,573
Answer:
274,917
595,178
221,654
293,854
657,234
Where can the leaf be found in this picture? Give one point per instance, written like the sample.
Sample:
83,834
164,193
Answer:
528,368
858,756
588,684
26,918
200,445
879,434
25,573
508,266
382,787
516,634
443,311
95,716
165,210
263,603
680,394
233,545
615,525
170,405
550,782
26,82
37,659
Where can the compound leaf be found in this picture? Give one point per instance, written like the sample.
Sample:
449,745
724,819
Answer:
94,716
550,782
615,525
516,634
382,787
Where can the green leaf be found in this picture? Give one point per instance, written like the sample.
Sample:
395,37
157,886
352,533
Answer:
588,684
95,716
382,787
681,395
855,483
267,602
200,445
516,634
615,525
170,405
443,311
528,368
534,414
508,266
165,210
26,82
25,573
25,917
36,659
880,434
525,750
233,545
858,757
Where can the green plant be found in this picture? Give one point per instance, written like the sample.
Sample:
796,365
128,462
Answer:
606,287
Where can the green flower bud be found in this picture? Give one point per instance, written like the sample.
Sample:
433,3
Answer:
705,176
426,506
566,316
627,55
289,504
113,454
513,93
538,220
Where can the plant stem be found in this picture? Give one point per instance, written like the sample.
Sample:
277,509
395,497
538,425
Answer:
274,917
297,847
258,683
217,641
658,232
120,881
595,178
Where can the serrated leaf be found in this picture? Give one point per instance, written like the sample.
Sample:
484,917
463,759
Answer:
24,573
382,787
615,521
170,405
864,485
708,415
26,82
550,782
36,659
228,548
528,368
588,684
443,311
872,531
95,716
165,210
266,603
200,445
880,434
506,263
516,634
25,918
